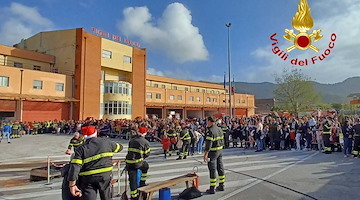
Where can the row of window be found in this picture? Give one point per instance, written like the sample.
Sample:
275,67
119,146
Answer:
20,65
115,108
37,84
108,54
117,88
186,89
191,98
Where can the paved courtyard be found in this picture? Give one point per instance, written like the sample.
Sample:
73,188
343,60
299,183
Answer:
266,175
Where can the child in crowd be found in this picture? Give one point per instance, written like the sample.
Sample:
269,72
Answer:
165,144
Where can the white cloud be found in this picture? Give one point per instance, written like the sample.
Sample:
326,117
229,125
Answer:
185,75
19,21
173,33
344,60
153,71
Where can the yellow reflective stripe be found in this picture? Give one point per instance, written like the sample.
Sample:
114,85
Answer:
117,148
139,151
75,144
133,192
144,174
77,161
216,148
98,156
355,152
326,133
327,148
209,138
96,171
184,136
221,177
134,161
219,138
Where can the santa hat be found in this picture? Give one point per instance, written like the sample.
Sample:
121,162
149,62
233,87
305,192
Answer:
142,131
89,131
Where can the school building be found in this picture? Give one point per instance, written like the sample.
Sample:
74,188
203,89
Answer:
74,74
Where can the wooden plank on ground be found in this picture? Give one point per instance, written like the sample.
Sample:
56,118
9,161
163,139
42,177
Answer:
168,183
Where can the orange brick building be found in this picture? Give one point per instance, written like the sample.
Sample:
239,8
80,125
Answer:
73,74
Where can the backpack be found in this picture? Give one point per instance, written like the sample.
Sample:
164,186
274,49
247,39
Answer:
190,193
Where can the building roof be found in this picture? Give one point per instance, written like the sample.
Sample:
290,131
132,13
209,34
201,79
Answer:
184,82
26,54
354,94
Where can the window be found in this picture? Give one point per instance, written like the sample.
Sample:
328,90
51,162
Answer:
18,65
158,96
156,85
179,97
37,84
186,89
149,95
191,98
197,90
203,91
116,108
214,100
118,88
163,86
174,87
172,97
106,54
4,81
198,99
59,87
218,92
238,101
243,101
208,99
36,67
127,59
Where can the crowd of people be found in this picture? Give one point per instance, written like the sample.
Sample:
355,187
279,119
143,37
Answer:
258,133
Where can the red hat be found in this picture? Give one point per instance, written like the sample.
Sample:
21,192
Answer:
88,131
142,130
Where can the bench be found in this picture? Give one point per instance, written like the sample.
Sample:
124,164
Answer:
153,187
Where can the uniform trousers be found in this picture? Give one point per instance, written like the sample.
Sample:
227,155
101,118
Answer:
216,164
90,185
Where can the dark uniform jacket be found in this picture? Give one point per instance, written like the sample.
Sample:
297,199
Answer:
356,130
76,142
93,158
138,150
214,140
185,135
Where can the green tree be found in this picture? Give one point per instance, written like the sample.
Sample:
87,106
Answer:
295,91
337,106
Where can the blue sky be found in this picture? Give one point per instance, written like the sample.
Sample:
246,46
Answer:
187,39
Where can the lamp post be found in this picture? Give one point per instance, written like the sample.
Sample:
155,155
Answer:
229,68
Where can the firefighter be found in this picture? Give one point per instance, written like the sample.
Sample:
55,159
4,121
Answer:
91,167
214,143
326,135
36,127
356,131
138,150
172,135
15,130
186,139
75,142
226,133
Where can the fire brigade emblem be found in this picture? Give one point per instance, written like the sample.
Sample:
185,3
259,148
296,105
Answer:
303,22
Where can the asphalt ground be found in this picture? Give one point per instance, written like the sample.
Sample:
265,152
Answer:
249,175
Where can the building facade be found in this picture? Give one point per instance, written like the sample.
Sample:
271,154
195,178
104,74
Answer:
28,88
109,76
73,74
190,99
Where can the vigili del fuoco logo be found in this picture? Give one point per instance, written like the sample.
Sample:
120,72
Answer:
302,40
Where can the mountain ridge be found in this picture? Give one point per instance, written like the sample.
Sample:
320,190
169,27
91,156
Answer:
331,93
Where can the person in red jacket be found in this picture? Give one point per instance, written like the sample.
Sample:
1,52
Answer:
166,144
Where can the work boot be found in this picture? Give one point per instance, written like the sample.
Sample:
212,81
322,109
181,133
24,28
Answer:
211,190
220,187
184,157
179,158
